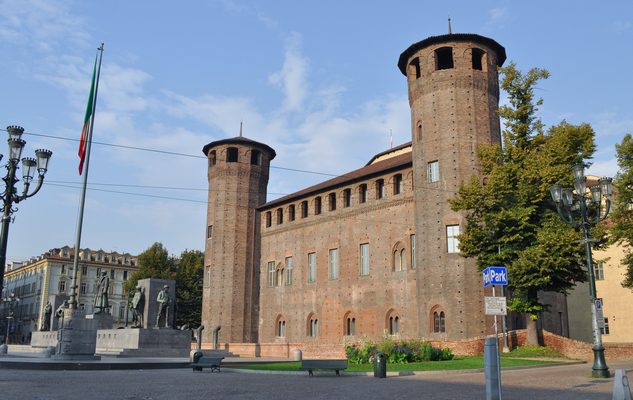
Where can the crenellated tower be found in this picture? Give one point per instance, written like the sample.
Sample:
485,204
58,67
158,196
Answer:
238,171
454,96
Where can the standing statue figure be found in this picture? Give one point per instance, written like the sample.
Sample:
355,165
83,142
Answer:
101,295
163,301
48,311
138,307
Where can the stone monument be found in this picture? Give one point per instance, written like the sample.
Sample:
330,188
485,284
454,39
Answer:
144,339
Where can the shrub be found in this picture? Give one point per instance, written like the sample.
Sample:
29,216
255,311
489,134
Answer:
400,352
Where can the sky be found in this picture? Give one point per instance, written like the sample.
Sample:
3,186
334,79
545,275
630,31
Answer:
317,81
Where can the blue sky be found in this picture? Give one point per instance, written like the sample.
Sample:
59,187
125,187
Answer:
317,81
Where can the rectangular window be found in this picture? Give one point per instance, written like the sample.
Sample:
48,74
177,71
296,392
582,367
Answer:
112,274
209,231
288,270
333,267
605,330
317,206
125,275
271,273
84,271
121,312
291,212
397,184
364,259
304,209
412,243
347,197
98,272
269,219
452,243
312,267
280,216
83,288
433,171
62,286
598,271
63,268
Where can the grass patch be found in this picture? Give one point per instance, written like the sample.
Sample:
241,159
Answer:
533,351
456,364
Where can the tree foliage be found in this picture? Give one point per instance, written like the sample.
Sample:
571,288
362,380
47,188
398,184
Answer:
155,262
622,215
510,219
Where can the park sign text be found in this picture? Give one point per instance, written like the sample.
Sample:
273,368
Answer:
495,275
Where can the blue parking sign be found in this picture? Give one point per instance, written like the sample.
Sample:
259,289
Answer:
495,275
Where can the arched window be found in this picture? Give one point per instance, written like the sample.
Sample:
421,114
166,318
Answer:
398,184
231,154
350,326
291,212
393,323
255,157
280,276
280,326
212,158
347,197
398,262
380,188
414,69
362,193
331,201
280,216
444,58
439,320
269,219
479,59
313,325
317,205
304,209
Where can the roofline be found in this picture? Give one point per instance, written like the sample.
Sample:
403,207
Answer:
400,147
454,37
239,140
318,188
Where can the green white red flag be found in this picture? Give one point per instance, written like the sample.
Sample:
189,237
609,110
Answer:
83,143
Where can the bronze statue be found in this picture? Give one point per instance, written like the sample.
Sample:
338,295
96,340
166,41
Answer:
101,295
163,301
48,311
138,307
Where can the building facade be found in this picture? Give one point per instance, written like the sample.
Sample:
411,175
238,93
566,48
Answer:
48,277
373,252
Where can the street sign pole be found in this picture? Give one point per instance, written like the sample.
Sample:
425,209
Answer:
497,347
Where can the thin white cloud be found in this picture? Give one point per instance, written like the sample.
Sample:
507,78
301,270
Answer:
497,14
621,26
292,76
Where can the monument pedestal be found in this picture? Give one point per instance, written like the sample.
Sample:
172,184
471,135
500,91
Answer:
77,335
138,342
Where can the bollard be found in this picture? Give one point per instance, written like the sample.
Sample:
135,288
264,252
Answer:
491,369
621,388
297,355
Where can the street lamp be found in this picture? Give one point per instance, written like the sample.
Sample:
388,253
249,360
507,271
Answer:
11,300
584,210
11,194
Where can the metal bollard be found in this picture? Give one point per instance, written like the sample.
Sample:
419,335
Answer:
491,369
621,388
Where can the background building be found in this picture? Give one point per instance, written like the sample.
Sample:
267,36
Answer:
48,278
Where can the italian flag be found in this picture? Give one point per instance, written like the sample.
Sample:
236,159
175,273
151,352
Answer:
83,143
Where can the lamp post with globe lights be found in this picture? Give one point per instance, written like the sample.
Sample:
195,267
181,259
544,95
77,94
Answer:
584,210
11,195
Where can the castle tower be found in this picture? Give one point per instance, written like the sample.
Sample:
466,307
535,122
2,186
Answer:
453,95
238,178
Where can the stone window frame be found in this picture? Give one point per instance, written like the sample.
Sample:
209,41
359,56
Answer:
433,171
61,286
364,259
331,197
288,263
392,322
312,267
452,242
347,198
312,325
280,275
280,215
437,320
349,324
318,205
598,271
413,247
304,209
280,326
333,264
271,273
398,258
380,189
291,213
83,288
398,184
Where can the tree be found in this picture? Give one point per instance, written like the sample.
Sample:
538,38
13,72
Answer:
622,215
153,263
189,272
510,219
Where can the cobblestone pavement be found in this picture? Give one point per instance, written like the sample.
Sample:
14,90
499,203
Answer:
558,382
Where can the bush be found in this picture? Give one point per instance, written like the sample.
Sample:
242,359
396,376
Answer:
400,352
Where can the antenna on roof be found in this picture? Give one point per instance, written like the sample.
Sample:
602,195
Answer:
450,31
240,128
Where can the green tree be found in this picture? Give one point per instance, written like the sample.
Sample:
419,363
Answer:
154,262
189,270
510,219
622,216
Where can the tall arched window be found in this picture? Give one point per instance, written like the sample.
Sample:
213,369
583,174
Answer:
212,157
439,321
280,326
393,323
313,325
255,157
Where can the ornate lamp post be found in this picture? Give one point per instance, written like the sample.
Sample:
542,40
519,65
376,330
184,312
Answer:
11,300
582,210
11,194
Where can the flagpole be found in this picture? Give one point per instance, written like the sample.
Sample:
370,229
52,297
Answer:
73,292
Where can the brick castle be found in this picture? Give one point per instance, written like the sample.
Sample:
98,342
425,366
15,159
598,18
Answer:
370,253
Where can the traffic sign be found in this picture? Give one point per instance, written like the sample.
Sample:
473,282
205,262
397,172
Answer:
495,275
496,305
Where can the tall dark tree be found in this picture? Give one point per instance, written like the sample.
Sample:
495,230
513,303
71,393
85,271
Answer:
154,262
510,219
622,215
189,270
